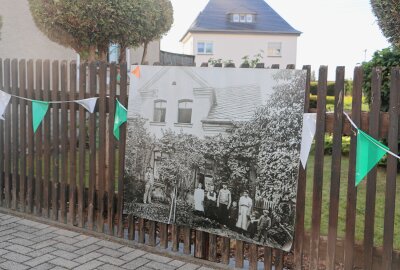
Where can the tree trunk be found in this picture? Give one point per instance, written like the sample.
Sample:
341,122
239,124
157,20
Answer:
122,55
144,52
103,54
92,53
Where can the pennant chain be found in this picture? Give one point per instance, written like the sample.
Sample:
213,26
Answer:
40,108
376,143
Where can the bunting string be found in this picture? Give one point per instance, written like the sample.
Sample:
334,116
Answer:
370,139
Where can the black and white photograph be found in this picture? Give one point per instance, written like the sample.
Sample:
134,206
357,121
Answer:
216,149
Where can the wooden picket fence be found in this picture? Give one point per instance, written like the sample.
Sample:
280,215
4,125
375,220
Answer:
71,169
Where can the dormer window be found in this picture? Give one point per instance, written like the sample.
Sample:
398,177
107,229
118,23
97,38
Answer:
242,18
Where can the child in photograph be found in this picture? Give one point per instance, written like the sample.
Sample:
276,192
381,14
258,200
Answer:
252,229
264,223
233,213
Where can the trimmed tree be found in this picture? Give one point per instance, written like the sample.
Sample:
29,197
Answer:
388,15
89,26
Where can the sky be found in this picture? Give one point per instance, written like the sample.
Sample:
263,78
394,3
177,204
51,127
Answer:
335,32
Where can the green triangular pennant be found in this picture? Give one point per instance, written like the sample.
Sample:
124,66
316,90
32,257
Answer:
121,115
369,152
39,109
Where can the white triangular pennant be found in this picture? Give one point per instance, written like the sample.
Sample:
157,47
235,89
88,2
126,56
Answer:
4,100
89,103
309,127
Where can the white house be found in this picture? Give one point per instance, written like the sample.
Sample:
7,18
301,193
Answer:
232,29
194,100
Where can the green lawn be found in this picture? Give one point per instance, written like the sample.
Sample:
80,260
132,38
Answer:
361,194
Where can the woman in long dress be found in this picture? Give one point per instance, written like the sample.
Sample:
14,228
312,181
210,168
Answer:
199,199
245,206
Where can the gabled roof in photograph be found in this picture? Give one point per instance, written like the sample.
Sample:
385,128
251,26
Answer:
214,18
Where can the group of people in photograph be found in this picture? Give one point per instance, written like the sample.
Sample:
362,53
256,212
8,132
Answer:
237,215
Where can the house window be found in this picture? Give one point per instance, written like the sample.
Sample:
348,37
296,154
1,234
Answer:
249,18
205,48
160,108
274,49
185,111
242,18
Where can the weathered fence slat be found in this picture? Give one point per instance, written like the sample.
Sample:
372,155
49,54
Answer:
141,229
351,189
64,144
374,121
92,152
102,179
335,168
268,258
72,145
22,134
187,235
175,237
31,146
15,135
111,151
390,194
253,256
239,254
82,150
56,141
226,249
318,168
163,235
123,98
131,227
7,138
212,250
152,233
47,141
38,145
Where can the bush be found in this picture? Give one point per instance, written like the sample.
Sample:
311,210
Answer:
386,58
348,88
329,101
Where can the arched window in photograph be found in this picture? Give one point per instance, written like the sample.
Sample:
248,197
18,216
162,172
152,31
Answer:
160,109
185,111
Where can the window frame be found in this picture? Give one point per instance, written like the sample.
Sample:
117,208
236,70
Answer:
205,47
274,51
179,119
163,113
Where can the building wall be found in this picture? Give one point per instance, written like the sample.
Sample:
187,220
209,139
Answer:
235,46
20,38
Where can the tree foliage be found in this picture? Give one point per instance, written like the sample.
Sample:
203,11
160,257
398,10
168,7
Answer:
89,26
388,15
386,59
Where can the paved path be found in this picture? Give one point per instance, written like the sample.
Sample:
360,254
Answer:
26,244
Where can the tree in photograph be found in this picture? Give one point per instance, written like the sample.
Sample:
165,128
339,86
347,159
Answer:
139,148
182,156
90,26
388,15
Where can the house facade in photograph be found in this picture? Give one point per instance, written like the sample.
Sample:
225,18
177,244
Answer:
201,109
21,39
232,29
